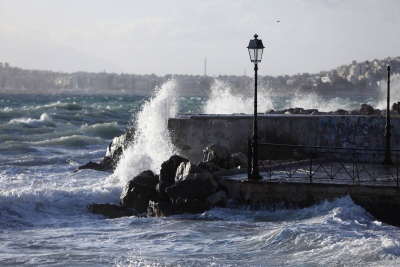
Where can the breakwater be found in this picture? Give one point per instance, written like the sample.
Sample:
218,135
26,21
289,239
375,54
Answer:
191,133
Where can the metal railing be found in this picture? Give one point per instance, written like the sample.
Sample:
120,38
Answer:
293,163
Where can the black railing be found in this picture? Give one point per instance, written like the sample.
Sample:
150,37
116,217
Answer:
292,163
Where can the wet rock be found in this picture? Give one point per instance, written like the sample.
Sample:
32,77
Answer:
366,109
192,205
136,195
239,159
218,199
169,167
162,209
308,111
180,206
354,112
219,155
340,112
270,111
210,166
187,169
111,211
93,166
315,113
193,186
146,178
160,188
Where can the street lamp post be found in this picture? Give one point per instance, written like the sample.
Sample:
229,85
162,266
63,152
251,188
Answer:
255,48
387,159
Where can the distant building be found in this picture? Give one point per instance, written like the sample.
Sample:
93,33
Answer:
1,65
357,70
6,65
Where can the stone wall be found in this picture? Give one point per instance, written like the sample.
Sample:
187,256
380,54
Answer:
192,133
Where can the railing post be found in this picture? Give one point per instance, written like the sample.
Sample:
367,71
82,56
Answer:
249,159
310,167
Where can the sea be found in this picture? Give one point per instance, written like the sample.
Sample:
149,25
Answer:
43,217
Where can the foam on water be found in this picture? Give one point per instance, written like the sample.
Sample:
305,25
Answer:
44,120
152,143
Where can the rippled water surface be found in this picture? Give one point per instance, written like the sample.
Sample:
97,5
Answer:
43,219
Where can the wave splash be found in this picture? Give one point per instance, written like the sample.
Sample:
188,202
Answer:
151,145
222,100
44,120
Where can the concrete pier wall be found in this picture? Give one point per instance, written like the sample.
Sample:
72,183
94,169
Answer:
192,133
382,202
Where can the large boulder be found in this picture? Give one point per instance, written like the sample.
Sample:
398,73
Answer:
139,191
218,199
111,211
340,112
219,155
193,186
239,159
162,209
160,188
146,178
366,109
169,167
187,169
210,166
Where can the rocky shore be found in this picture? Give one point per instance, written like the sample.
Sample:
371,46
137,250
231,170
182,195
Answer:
182,186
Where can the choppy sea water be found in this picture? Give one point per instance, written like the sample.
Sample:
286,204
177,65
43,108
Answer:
43,219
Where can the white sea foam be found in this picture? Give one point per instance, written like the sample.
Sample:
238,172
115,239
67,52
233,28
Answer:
394,91
152,143
45,120
223,101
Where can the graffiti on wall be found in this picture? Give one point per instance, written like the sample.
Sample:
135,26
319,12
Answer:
356,132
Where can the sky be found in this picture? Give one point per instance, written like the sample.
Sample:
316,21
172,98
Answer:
174,37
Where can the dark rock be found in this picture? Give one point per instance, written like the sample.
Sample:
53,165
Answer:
111,211
160,188
162,209
93,166
136,195
180,206
308,111
169,167
315,113
354,112
239,159
219,155
186,169
192,205
366,109
218,199
340,112
194,186
269,111
146,178
210,166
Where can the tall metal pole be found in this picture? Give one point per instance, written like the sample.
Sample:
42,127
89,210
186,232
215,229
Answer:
387,159
254,171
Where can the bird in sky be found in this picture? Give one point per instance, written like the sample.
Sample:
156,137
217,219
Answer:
278,21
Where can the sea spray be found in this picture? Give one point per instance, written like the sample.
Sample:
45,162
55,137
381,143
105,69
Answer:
151,145
394,91
223,101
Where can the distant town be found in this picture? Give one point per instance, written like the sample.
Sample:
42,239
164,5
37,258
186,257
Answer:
360,77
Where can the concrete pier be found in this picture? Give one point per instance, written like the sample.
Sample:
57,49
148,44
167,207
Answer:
192,133
383,202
